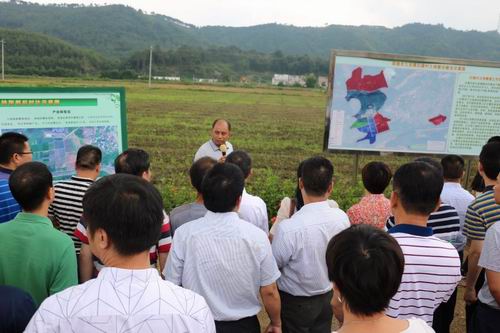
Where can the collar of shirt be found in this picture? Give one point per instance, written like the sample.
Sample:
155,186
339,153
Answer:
411,229
82,179
115,274
23,217
5,170
213,145
453,185
219,217
311,208
488,188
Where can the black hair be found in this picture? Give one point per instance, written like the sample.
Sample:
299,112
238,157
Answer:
453,166
490,159
221,187
29,185
366,264
199,169
128,208
224,120
88,157
241,159
418,185
299,199
11,143
478,181
432,162
133,161
316,175
376,177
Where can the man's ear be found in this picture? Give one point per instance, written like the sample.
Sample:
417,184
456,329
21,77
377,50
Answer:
394,200
51,194
301,183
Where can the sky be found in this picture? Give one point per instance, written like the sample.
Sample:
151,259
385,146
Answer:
482,15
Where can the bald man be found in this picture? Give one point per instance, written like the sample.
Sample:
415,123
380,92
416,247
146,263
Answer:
221,131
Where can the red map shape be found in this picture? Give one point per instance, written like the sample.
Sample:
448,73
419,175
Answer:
367,82
381,123
438,120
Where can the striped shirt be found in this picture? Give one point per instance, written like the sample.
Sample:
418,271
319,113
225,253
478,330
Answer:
431,273
253,209
163,245
299,247
67,208
445,225
8,205
226,260
481,215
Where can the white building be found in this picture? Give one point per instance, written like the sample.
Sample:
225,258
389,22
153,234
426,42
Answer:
323,81
288,80
167,78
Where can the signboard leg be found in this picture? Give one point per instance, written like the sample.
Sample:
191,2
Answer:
467,173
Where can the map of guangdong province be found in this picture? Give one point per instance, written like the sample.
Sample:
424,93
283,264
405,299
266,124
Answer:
366,89
388,108
57,147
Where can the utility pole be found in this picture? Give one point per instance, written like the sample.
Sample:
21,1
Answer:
150,63
3,71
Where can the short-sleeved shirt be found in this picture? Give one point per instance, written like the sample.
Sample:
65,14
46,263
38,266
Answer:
67,207
226,260
124,300
36,257
210,149
373,209
8,205
481,215
186,213
299,247
253,209
163,245
490,259
431,273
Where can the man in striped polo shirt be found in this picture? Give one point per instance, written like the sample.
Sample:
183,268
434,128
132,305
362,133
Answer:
66,209
481,214
14,151
432,265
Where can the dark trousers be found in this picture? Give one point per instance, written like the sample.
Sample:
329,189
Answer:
445,312
244,325
471,309
306,314
486,319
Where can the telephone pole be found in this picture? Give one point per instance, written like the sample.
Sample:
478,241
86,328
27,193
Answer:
3,70
150,63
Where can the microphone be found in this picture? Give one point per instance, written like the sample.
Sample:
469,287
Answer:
223,149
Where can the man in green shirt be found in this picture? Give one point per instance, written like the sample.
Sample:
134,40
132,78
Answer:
33,255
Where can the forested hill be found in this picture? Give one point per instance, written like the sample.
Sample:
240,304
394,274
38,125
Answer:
120,31
35,54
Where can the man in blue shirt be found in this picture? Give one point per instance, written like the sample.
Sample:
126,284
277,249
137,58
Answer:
14,151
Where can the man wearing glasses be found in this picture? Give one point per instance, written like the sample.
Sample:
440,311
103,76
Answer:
14,151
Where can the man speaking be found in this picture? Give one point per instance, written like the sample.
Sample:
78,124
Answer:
218,147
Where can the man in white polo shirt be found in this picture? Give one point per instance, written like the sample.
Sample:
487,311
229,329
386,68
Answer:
432,265
226,259
218,147
299,246
252,208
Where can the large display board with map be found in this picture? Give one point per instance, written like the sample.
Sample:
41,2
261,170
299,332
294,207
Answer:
58,121
393,103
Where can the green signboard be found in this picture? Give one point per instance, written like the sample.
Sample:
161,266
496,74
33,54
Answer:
58,121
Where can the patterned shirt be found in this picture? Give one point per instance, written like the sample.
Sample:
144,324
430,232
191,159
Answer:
226,260
123,300
373,209
431,273
8,205
481,215
67,207
163,245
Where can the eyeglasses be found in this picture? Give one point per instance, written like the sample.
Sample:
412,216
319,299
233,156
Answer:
25,152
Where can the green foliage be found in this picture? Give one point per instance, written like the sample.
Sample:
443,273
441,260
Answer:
311,81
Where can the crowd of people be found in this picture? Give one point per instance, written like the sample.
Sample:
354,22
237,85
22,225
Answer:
100,254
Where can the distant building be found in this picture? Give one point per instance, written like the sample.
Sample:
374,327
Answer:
323,81
167,78
207,80
288,80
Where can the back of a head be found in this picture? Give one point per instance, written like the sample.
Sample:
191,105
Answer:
29,185
133,161
199,169
453,166
88,157
490,159
222,187
432,162
366,264
376,177
316,175
242,160
128,208
11,143
418,186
